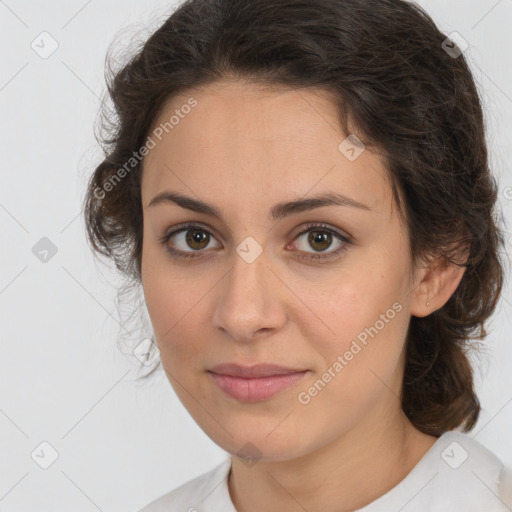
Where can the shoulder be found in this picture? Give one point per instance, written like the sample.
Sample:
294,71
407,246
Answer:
465,474
505,486
457,473
210,487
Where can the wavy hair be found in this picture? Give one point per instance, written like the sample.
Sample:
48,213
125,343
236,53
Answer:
408,96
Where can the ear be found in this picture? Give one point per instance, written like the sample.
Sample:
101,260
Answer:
435,284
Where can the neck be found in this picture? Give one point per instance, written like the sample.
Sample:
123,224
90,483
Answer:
341,476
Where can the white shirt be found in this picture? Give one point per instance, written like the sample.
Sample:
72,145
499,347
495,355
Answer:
456,474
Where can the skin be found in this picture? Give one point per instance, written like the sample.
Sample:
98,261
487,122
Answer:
244,149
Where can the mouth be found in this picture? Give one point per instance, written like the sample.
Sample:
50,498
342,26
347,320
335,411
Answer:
254,383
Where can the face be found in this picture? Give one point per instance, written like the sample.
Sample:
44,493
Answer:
323,289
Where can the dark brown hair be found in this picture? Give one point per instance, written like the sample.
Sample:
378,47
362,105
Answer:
405,96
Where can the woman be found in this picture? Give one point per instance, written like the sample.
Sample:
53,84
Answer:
302,190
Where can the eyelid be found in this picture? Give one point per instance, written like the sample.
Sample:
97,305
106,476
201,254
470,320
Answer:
342,236
184,226
300,231
323,257
327,227
181,228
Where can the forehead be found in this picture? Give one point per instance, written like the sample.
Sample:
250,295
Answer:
243,137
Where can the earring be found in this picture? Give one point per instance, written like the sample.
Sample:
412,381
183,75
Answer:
428,303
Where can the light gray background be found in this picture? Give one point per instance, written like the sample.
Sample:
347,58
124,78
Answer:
121,443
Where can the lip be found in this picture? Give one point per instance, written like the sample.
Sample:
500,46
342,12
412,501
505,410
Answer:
256,370
254,383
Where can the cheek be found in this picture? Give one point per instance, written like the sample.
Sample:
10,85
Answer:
359,363
162,293
354,300
175,307
367,311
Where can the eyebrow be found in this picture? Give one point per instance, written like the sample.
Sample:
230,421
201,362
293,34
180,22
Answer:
278,211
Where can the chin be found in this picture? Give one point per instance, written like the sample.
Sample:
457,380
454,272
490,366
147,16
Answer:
263,450
258,440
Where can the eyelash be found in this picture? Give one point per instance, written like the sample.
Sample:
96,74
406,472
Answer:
323,228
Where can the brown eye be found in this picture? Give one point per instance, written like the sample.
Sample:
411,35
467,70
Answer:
190,241
320,240
186,240
197,239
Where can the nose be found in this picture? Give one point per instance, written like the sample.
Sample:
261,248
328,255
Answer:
250,301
